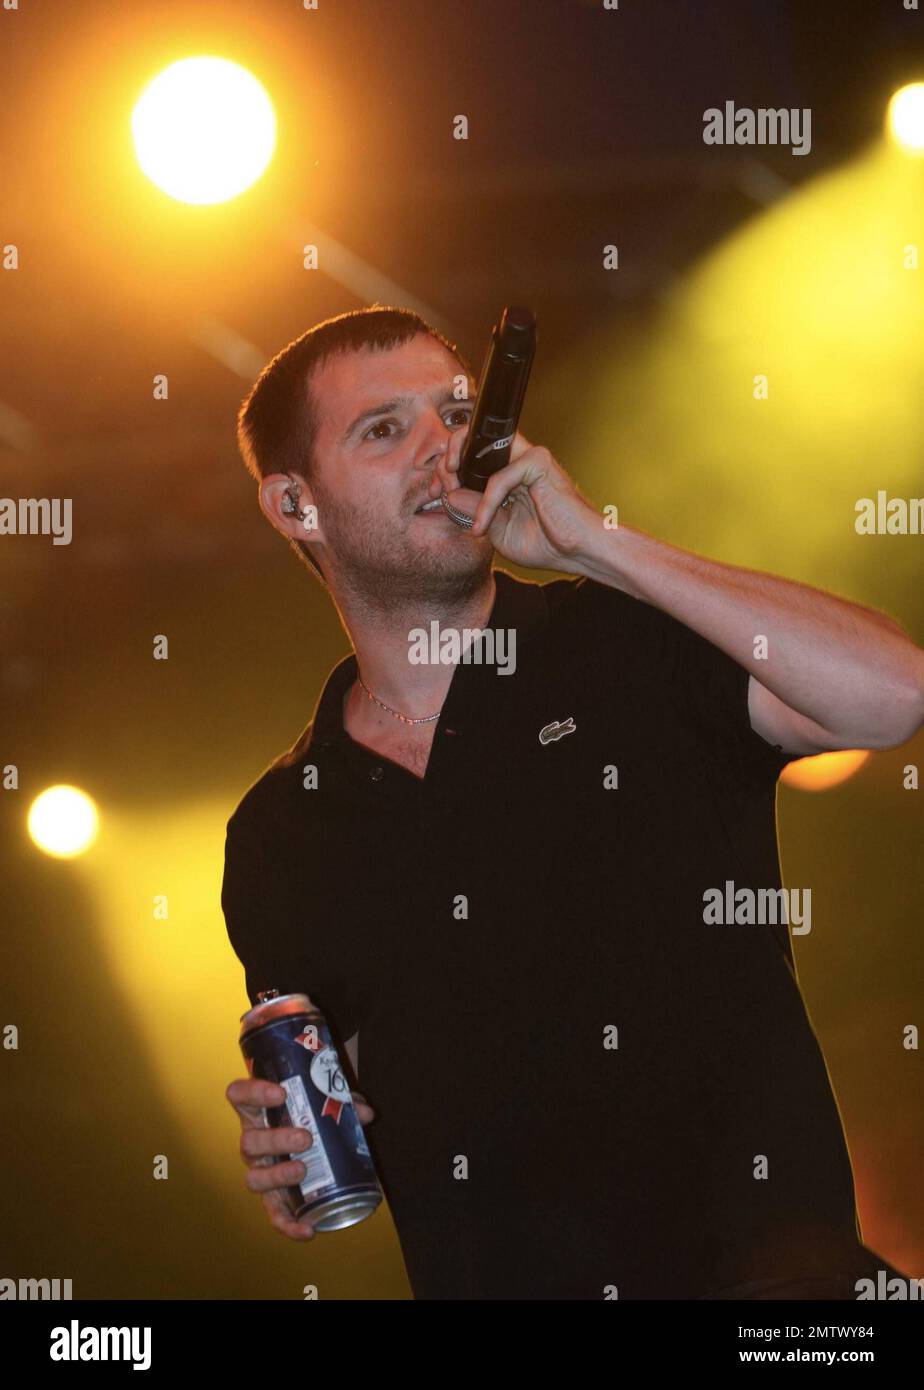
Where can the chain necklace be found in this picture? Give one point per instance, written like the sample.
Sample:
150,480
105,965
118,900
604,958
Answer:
405,719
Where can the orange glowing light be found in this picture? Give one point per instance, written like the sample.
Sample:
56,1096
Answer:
824,770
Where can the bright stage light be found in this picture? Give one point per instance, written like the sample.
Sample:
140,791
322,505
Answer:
204,130
63,821
825,770
906,117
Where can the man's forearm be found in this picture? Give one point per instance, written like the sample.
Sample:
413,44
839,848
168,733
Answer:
848,668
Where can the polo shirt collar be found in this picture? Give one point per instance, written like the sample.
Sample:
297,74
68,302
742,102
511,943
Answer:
518,603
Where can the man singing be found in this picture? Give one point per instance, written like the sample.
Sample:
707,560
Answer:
499,881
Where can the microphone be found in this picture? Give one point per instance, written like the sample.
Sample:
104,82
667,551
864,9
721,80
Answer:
499,400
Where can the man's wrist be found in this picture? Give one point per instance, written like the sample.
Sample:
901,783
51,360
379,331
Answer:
606,555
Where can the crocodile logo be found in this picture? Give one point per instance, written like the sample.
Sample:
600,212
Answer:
557,729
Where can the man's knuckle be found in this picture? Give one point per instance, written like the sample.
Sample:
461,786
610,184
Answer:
279,1217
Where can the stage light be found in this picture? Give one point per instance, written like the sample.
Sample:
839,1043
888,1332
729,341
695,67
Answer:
906,117
204,130
63,821
825,770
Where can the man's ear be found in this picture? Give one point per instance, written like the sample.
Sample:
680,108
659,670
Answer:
272,494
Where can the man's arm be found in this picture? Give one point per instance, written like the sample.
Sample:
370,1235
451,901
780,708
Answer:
836,674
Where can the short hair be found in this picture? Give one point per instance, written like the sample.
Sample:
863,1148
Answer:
277,424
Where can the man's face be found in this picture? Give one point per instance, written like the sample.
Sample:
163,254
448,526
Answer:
385,420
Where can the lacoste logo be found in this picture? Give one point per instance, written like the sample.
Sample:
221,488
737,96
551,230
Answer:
557,729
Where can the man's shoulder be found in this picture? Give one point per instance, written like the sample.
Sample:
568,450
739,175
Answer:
591,601
587,620
269,795
584,599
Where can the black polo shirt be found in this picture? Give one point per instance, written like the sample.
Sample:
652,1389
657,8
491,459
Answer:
577,1082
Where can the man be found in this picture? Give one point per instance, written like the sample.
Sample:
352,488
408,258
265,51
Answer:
492,875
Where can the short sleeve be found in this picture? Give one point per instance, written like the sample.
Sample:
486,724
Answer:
714,688
266,930
698,696
704,689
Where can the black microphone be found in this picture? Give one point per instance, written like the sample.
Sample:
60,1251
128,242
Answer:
499,400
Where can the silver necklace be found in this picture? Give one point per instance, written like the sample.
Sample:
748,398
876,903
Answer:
405,718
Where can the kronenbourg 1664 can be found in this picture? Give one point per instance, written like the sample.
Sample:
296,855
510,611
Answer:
285,1039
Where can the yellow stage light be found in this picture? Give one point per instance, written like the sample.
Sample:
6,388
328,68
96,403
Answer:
63,821
826,770
906,117
204,130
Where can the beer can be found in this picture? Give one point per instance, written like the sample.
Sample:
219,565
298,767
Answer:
285,1039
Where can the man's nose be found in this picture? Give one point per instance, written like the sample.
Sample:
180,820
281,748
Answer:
445,463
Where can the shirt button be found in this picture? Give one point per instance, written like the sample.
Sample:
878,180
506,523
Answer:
377,774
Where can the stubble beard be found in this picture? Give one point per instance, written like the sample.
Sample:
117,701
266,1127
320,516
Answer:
385,573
